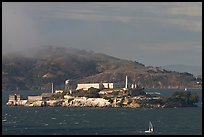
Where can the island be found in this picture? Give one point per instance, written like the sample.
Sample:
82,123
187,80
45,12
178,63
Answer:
105,95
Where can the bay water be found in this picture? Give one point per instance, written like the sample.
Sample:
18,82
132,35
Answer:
19,120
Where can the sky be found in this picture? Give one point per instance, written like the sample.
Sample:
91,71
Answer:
154,34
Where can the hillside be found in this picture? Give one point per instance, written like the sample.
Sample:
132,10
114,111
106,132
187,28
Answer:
37,68
196,70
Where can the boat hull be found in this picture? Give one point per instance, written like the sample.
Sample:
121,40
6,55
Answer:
148,131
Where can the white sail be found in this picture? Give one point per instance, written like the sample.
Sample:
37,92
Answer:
151,129
151,126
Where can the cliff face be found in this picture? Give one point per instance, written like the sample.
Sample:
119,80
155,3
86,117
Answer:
37,68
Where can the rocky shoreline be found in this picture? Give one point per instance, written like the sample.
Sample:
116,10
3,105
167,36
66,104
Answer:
71,101
126,102
132,98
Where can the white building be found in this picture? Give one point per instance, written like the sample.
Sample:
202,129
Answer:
109,85
96,85
89,85
34,98
58,91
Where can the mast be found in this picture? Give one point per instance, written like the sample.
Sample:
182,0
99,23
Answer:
150,126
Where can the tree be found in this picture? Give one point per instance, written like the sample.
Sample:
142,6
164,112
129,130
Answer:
194,98
185,97
93,92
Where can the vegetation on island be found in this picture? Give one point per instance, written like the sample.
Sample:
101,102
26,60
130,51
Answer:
90,93
120,97
181,99
139,98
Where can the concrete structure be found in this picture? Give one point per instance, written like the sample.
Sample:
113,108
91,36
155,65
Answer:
67,84
132,86
34,98
58,91
96,85
46,95
53,103
15,97
21,102
68,97
104,92
42,97
67,81
38,104
87,102
89,85
109,85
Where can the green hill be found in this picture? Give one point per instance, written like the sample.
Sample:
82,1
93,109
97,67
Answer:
37,68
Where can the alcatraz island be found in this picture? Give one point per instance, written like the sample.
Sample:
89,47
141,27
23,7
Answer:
105,95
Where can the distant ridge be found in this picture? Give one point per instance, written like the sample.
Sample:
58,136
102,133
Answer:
196,70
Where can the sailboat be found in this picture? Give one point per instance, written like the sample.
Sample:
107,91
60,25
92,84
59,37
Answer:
151,129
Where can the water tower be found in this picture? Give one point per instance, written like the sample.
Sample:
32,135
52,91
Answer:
67,84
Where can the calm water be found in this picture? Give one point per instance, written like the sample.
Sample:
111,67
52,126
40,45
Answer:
60,120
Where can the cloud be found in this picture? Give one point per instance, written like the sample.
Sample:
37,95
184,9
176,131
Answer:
19,31
184,15
187,24
90,17
128,30
186,9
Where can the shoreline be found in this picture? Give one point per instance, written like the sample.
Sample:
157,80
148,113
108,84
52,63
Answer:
84,102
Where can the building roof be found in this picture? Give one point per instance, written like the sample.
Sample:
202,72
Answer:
46,94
